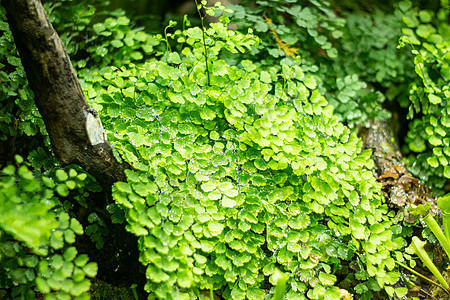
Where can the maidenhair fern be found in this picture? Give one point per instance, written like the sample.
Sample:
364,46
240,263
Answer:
19,114
236,178
36,236
353,56
428,32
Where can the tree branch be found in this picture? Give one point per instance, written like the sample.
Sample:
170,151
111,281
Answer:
399,186
75,130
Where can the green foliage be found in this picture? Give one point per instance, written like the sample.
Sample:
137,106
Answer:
97,39
100,39
19,115
353,57
238,176
36,235
428,33
97,230
241,169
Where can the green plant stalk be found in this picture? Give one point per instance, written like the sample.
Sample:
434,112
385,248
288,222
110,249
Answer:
446,224
168,48
423,255
204,42
279,279
133,289
420,275
444,205
436,229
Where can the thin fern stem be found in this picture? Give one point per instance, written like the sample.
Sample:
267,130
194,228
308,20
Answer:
204,42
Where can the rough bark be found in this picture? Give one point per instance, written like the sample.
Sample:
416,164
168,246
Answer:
75,130
399,186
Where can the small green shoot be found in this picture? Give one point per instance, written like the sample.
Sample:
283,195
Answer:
444,206
278,279
418,245
133,289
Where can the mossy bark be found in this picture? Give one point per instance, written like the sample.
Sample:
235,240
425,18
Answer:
399,186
